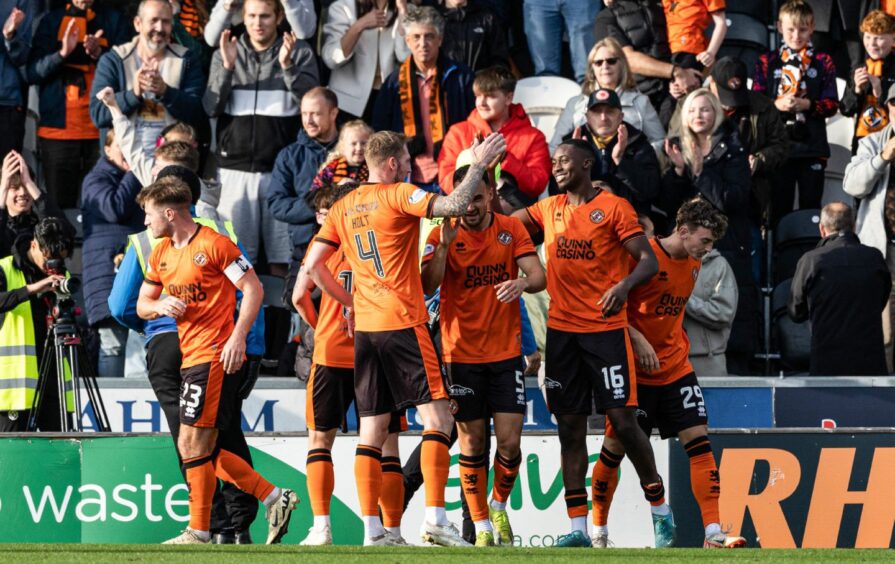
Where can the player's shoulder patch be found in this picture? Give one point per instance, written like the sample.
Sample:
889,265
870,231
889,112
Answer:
417,196
428,249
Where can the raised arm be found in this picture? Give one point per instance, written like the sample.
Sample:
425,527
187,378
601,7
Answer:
483,154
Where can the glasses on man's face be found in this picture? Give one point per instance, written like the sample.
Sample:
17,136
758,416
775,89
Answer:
607,61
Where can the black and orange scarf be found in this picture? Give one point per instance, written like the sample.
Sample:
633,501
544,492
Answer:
78,63
338,170
409,94
794,71
873,117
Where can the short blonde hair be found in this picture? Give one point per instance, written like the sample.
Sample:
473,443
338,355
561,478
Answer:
798,10
383,145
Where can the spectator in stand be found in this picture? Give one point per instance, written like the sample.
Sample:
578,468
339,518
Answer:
363,42
687,21
293,176
193,16
66,45
525,168
474,35
155,81
109,213
346,162
546,21
254,89
639,27
425,96
709,315
837,24
870,80
669,109
607,68
708,160
22,203
842,286
17,17
760,127
802,84
625,160
868,177
228,14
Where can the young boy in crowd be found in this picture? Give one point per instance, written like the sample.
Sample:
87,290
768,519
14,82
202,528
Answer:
870,81
686,21
802,84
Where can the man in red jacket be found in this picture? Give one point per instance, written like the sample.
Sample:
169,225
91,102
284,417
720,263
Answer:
525,167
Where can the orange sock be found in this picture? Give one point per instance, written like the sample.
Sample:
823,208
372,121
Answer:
321,480
368,475
576,503
654,493
505,473
435,461
233,469
704,479
603,481
391,498
202,483
474,478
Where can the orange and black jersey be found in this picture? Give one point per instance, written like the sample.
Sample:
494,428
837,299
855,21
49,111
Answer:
332,345
585,257
475,326
202,274
377,226
656,309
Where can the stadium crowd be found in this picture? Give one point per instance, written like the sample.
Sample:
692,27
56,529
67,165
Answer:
263,109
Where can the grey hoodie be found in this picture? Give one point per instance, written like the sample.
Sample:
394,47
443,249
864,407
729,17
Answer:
711,307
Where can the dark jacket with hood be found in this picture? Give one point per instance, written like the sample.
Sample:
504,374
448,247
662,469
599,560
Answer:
473,35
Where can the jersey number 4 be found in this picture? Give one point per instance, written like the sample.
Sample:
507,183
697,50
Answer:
370,251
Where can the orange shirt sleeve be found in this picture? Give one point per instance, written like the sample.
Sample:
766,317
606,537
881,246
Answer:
151,274
431,243
715,5
227,257
328,232
523,245
536,212
626,225
414,201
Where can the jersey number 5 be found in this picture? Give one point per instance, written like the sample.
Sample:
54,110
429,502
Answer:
371,253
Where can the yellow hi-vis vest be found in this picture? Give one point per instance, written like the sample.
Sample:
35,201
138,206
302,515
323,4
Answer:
18,351
144,242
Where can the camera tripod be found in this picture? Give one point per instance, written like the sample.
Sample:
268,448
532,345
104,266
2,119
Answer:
64,351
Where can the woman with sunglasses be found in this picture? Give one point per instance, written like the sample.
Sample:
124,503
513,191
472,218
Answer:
607,67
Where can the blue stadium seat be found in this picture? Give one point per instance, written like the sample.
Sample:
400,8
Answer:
793,339
796,233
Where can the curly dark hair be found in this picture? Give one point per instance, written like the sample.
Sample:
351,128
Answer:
55,237
698,212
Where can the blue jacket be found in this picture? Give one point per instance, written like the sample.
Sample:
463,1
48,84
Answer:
457,99
14,53
45,63
183,100
110,213
290,184
123,306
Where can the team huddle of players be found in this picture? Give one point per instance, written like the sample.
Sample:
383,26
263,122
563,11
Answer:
615,343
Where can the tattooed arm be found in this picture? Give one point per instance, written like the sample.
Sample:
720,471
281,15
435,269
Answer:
484,153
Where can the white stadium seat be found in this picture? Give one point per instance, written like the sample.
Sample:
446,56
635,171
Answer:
544,98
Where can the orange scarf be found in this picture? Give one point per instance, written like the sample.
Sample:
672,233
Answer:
873,117
408,92
794,71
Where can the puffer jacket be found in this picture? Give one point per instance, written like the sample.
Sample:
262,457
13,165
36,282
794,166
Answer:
711,307
527,158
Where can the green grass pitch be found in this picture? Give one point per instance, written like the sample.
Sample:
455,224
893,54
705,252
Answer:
86,553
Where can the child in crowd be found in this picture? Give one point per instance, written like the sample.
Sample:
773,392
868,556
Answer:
686,21
869,82
802,84
346,162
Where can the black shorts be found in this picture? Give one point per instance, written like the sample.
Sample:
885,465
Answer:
396,369
584,370
208,397
671,408
329,394
486,388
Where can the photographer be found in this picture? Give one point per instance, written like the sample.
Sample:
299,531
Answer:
26,297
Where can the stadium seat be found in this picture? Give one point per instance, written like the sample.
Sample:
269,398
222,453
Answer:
793,339
746,39
796,233
757,9
544,98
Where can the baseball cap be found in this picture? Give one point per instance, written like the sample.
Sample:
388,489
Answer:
604,96
730,75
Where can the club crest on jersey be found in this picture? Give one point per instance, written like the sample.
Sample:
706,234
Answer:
504,237
597,216
199,259
417,196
